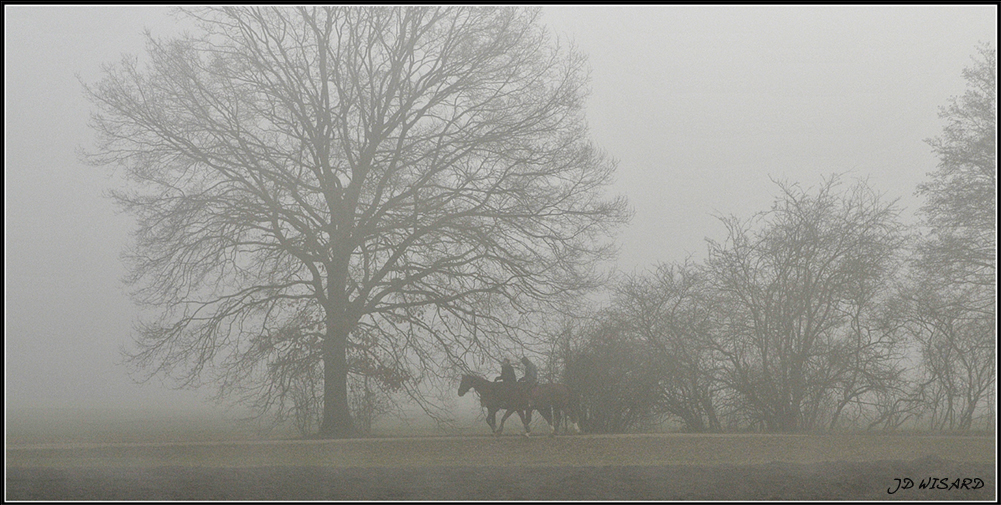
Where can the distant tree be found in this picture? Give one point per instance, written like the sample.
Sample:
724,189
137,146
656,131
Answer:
961,206
799,296
352,190
669,312
614,378
863,375
958,366
953,292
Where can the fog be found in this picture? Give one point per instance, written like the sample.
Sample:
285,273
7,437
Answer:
701,106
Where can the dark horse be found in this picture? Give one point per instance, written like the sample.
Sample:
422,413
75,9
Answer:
553,401
499,395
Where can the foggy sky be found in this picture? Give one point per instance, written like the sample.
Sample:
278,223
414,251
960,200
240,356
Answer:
699,105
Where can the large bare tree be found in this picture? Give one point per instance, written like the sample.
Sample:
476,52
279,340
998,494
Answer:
326,191
954,290
800,300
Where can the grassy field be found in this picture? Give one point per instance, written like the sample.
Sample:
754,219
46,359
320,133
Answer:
124,438
511,450
187,457
97,426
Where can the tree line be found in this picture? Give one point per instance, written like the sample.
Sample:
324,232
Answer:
338,207
824,312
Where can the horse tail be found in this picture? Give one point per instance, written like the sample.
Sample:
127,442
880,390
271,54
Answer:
573,406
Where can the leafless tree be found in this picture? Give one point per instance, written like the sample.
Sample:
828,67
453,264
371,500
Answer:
797,297
954,291
614,377
862,368
961,206
669,311
958,360
376,191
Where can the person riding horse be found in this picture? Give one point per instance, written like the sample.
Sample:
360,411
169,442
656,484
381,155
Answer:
531,371
507,373
521,396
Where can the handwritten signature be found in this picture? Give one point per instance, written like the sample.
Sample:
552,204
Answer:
938,483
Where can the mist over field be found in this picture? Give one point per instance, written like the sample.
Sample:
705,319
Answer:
699,105
762,230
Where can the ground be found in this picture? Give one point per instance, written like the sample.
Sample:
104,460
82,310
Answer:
582,467
773,481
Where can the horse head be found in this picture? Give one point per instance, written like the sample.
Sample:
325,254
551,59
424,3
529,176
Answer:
465,384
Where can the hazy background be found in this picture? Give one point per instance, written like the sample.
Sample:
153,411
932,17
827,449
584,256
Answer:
700,105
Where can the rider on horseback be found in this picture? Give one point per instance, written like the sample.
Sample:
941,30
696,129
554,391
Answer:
531,371
507,372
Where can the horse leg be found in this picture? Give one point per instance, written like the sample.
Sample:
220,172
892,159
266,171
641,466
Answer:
572,420
507,414
547,414
526,420
491,420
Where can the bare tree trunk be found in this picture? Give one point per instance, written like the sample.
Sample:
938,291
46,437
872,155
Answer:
336,413
337,422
